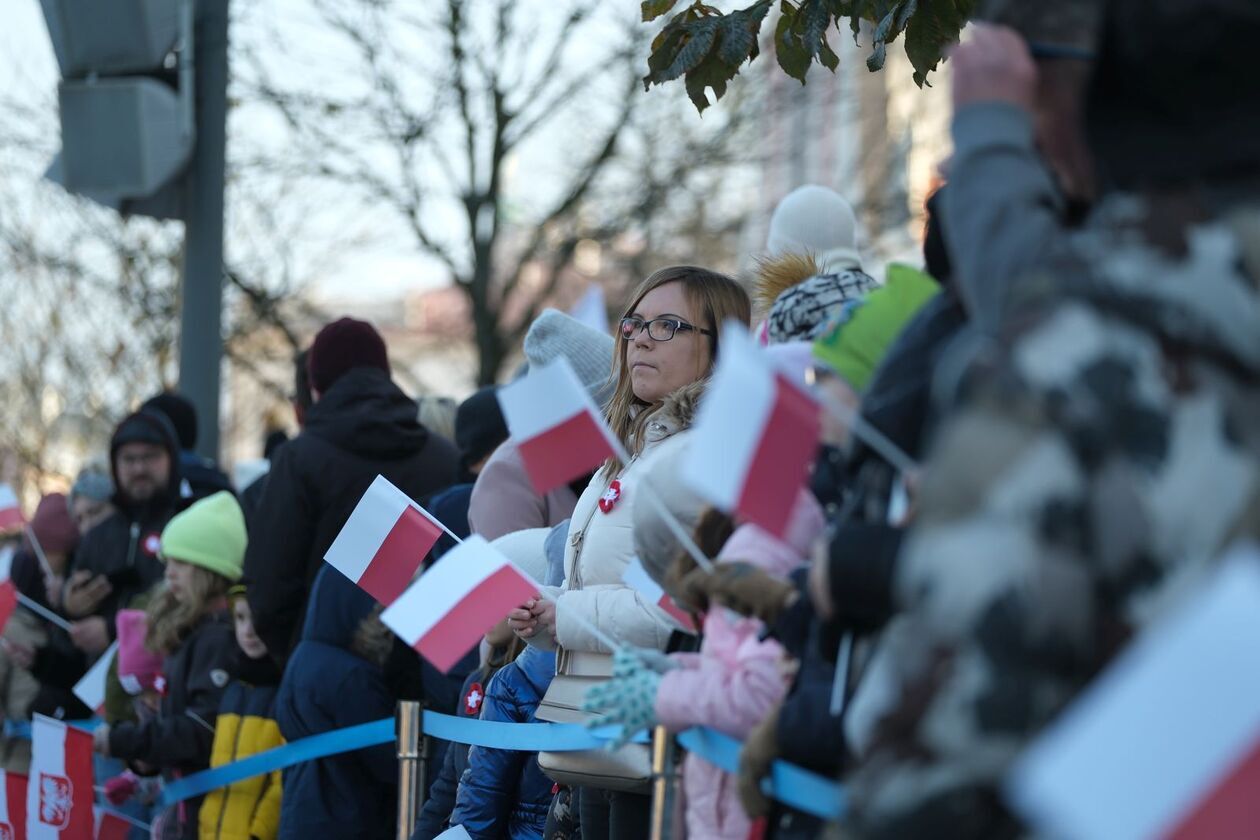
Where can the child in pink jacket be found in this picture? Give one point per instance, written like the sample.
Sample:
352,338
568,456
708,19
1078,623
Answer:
730,685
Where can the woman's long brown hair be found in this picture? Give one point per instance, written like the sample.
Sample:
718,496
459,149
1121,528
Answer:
715,297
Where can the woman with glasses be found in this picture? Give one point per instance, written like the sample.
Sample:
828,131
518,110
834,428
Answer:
667,345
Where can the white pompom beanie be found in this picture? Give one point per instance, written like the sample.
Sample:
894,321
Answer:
815,220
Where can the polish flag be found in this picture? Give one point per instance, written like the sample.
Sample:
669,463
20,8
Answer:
556,427
1166,742
91,687
8,602
11,518
384,541
12,806
637,578
445,613
755,437
59,796
110,826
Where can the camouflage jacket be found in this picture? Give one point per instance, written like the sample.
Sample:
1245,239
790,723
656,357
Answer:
1100,461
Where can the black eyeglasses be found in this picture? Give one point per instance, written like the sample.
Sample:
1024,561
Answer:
658,329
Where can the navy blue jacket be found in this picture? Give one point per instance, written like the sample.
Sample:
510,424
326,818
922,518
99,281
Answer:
504,795
435,815
352,796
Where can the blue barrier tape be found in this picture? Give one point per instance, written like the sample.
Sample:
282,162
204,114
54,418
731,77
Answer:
528,737
788,783
306,749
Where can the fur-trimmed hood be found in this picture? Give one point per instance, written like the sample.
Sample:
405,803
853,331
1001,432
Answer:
775,275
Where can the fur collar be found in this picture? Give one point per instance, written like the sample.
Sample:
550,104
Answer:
676,413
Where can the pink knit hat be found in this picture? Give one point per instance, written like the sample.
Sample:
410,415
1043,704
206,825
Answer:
139,669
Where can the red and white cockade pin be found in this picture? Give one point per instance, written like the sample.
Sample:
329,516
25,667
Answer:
609,500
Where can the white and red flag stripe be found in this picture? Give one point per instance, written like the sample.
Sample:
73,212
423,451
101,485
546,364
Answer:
384,541
1166,743
12,806
59,794
8,601
637,578
555,425
91,686
11,518
447,611
755,436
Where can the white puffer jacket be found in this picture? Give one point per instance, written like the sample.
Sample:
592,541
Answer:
601,545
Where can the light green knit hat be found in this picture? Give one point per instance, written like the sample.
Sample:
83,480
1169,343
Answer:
855,342
210,534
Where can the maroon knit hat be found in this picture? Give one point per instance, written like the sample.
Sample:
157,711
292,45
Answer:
53,526
340,346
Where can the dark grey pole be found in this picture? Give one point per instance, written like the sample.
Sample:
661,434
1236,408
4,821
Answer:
201,313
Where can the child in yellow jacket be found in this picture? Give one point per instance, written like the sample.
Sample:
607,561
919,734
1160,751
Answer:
248,809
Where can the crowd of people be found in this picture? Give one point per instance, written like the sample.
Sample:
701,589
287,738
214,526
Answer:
1058,438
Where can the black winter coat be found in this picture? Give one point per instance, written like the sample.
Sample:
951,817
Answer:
178,740
807,734
362,427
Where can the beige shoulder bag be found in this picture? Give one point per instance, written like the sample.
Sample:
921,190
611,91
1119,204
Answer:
627,768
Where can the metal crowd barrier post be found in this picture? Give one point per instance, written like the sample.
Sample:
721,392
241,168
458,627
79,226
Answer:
665,821
413,748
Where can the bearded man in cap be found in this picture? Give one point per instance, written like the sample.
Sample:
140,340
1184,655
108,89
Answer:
117,559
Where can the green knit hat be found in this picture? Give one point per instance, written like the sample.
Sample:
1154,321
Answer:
855,342
210,534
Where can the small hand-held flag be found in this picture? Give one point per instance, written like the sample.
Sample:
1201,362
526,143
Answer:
12,806
755,436
384,541
447,611
1166,742
556,427
637,578
91,687
59,793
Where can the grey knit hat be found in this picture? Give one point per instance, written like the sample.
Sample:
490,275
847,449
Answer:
93,482
654,540
803,311
554,334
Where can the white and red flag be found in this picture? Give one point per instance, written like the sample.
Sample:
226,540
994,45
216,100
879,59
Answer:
555,425
384,541
755,436
12,806
11,518
8,601
445,613
111,826
59,794
637,578
91,686
1166,742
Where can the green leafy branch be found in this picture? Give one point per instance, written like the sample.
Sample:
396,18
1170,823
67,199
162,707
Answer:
707,46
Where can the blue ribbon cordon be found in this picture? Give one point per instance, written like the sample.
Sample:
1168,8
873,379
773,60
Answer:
787,783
